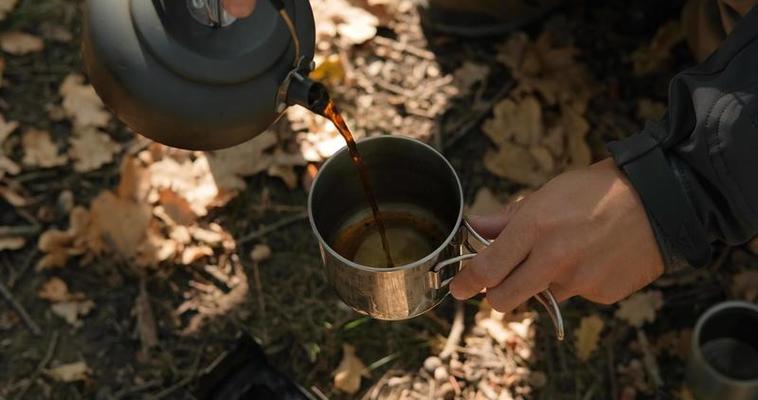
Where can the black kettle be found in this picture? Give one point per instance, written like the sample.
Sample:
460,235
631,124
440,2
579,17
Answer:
186,74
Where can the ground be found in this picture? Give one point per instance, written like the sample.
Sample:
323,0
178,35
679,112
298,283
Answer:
398,80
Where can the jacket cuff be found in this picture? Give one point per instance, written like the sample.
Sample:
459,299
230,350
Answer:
677,228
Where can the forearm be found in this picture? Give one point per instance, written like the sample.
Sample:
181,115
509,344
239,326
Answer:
697,169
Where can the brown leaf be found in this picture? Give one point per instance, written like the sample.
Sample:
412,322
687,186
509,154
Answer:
40,151
195,253
59,245
745,285
6,7
12,243
55,290
229,166
91,148
513,162
469,74
353,25
6,128
81,104
347,376
651,58
109,215
587,336
640,307
518,121
176,207
15,195
576,126
72,372
20,43
72,311
485,203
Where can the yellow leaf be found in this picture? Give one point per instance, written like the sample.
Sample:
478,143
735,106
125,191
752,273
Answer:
330,70
20,43
640,307
40,151
76,371
587,336
347,376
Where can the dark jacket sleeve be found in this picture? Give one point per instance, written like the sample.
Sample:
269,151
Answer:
696,170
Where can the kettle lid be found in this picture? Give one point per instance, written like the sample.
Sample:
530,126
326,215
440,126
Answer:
229,55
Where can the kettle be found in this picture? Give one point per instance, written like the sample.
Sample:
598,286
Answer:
186,74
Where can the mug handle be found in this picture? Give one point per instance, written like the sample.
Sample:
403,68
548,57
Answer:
444,272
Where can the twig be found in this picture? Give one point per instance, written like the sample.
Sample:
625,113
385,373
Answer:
136,389
182,383
318,393
21,230
13,280
612,370
273,227
41,366
455,332
590,392
648,360
20,310
400,46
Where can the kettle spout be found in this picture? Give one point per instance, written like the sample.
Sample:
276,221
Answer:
308,93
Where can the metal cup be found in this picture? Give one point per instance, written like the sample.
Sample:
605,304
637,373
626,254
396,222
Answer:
723,362
404,173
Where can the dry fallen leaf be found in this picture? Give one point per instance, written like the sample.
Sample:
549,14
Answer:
72,372
339,18
81,104
195,253
121,223
229,166
516,163
347,376
587,336
745,285
58,246
176,208
520,121
20,43
91,148
72,311
55,290
147,328
330,69
469,74
40,151
6,128
650,59
6,7
485,203
640,307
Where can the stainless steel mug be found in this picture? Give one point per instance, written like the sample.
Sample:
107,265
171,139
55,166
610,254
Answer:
404,173
723,363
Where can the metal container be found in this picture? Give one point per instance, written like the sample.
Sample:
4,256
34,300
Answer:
723,363
402,171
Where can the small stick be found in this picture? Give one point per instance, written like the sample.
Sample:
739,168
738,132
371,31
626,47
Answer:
20,310
612,370
271,228
13,280
22,230
408,48
136,389
41,366
455,332
648,359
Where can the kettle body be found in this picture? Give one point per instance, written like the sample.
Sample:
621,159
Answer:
187,84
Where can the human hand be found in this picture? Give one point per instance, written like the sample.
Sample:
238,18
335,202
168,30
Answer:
239,8
583,233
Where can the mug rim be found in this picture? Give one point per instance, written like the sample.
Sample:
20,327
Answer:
434,253
696,348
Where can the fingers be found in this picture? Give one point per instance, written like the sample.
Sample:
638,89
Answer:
495,262
239,8
524,282
489,226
